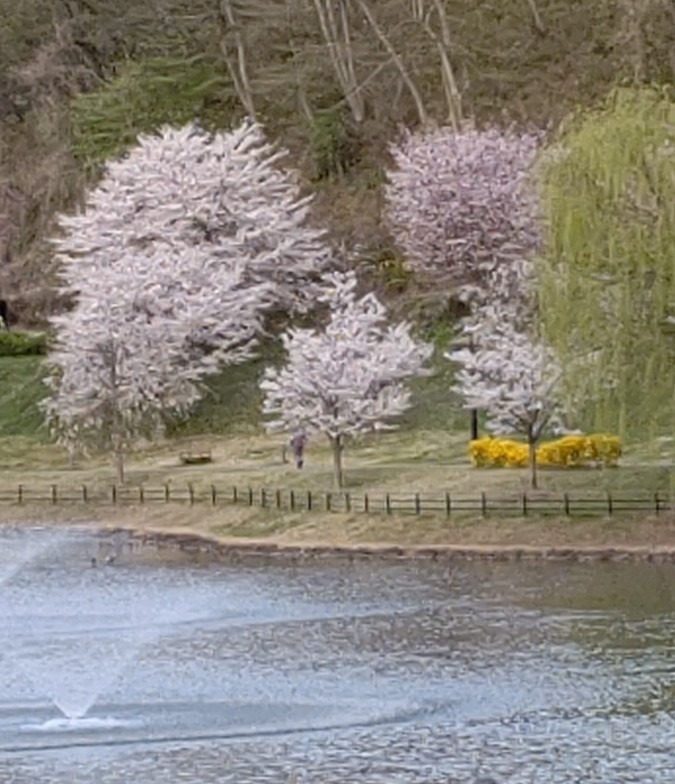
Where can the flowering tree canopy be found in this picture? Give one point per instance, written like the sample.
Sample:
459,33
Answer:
348,378
183,245
510,375
459,203
224,192
136,346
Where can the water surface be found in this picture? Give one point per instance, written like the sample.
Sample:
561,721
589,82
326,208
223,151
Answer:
154,669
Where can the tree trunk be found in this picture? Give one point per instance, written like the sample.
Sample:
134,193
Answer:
337,447
397,60
536,17
238,70
474,424
119,465
532,447
453,96
337,37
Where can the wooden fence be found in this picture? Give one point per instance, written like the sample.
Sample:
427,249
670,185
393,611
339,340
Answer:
438,504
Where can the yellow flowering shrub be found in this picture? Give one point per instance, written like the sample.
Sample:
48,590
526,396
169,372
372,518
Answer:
566,452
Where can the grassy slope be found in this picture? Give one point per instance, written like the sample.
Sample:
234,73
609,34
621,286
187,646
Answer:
20,392
427,461
428,453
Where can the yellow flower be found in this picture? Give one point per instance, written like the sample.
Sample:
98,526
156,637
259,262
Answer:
568,451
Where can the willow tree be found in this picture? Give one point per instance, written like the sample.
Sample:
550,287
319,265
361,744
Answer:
607,283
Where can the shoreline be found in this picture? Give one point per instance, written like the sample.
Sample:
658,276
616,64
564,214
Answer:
239,548
337,536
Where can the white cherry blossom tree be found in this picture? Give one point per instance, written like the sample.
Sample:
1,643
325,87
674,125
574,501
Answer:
460,203
182,247
509,374
137,345
223,191
347,378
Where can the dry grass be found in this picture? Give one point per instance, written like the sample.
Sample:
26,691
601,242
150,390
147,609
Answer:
403,462
406,462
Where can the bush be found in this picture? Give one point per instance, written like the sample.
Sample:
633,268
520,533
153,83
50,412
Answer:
566,452
332,143
17,344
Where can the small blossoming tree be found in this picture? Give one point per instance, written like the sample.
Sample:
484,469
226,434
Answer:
511,376
348,378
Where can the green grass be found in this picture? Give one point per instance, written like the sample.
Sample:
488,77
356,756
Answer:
21,390
232,400
427,454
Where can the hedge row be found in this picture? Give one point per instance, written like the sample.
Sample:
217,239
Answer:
17,344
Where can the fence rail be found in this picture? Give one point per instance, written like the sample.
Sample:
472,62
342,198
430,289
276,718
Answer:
439,504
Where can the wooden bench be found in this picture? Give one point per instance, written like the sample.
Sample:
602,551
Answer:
196,458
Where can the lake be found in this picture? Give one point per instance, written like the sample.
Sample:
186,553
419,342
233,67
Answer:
158,666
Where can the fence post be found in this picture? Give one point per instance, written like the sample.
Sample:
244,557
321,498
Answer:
167,492
113,494
54,494
366,504
328,502
291,500
263,498
213,495
309,500
84,493
524,499
250,496
566,504
191,493
483,504
141,494
610,505
387,503
418,505
657,503
448,505
19,494
348,502
278,498
235,497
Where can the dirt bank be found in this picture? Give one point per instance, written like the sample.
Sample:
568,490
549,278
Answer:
241,531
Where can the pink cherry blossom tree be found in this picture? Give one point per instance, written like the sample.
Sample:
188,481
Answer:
460,203
182,247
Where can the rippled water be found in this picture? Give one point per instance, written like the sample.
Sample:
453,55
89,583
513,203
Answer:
328,671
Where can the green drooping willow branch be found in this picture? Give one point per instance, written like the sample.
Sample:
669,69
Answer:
607,279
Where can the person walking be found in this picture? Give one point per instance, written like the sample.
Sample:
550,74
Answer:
298,443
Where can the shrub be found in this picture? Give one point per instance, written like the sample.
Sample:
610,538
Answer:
16,344
566,452
333,144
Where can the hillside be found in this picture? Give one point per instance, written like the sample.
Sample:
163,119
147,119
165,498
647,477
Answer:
333,82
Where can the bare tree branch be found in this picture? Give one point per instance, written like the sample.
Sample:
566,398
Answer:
336,33
398,61
453,97
539,25
239,70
